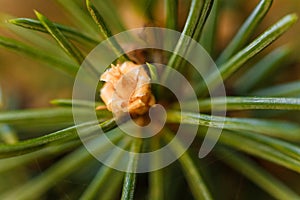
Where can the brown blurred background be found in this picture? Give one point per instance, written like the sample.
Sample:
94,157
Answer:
24,82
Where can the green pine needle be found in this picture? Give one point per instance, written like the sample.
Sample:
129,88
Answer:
261,42
67,31
67,46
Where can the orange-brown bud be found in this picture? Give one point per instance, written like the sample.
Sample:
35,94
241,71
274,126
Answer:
127,88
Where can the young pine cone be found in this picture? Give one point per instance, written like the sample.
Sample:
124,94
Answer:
127,88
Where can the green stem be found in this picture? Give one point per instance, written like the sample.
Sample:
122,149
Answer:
21,160
37,186
195,181
260,72
63,42
69,32
192,29
105,31
156,178
79,17
30,145
245,103
256,174
130,176
77,103
207,39
104,173
261,148
38,116
171,9
245,31
261,42
274,128
63,135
